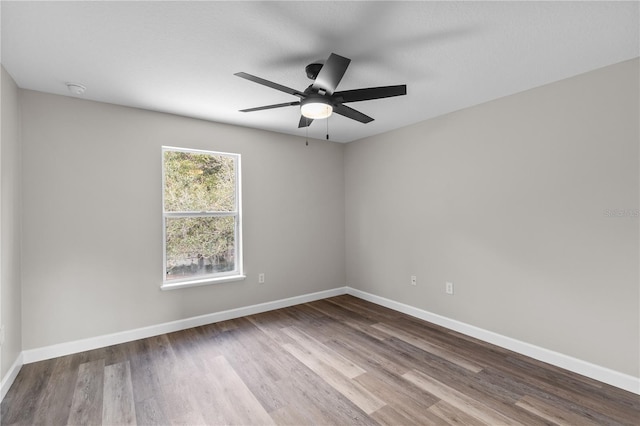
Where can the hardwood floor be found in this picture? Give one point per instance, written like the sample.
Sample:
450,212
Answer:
339,361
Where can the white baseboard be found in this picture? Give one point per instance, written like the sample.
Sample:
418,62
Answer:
11,375
602,374
596,372
62,349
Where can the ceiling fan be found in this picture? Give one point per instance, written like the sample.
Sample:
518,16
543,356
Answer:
320,99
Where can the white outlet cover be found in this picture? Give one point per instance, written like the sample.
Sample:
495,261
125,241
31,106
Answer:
449,288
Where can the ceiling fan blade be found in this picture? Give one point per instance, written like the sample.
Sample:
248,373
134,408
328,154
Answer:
304,121
331,73
351,113
271,84
370,93
270,106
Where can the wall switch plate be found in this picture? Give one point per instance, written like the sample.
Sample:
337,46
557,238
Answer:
261,278
2,335
414,280
448,288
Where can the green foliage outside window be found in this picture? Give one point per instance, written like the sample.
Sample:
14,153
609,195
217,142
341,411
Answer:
198,182
203,186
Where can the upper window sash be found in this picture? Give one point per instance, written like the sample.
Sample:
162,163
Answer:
181,198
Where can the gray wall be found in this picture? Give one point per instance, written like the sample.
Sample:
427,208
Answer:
10,224
508,200
92,234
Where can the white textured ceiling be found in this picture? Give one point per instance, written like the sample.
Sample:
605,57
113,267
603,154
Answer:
180,57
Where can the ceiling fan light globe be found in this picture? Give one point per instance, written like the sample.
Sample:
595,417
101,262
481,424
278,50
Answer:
316,110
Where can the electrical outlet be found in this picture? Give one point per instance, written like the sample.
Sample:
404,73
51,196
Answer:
448,288
414,280
261,278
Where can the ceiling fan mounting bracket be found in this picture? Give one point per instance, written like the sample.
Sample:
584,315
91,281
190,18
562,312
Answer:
313,69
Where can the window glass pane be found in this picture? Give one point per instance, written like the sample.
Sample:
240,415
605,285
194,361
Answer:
198,182
199,246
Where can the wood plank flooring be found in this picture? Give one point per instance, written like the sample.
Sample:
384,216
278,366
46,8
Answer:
338,361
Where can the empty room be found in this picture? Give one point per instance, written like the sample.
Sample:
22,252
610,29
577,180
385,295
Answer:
320,213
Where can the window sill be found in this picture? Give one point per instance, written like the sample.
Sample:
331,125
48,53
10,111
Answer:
198,283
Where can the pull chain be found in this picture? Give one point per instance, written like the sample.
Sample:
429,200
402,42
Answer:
327,128
307,130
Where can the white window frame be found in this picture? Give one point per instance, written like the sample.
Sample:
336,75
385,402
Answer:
219,277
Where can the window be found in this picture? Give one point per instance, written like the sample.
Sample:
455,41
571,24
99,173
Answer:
201,217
